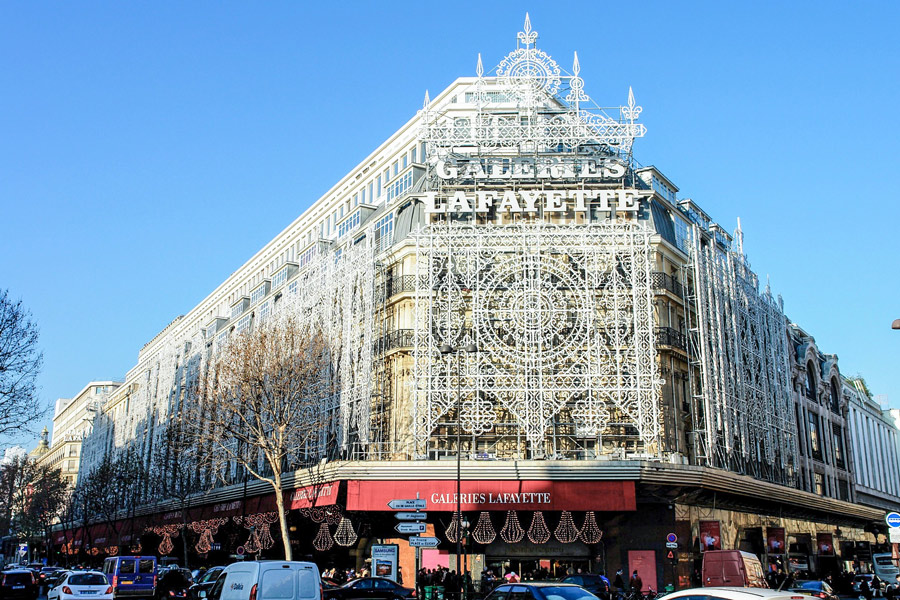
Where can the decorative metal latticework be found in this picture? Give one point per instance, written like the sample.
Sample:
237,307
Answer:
562,317
746,415
566,532
484,532
512,532
590,531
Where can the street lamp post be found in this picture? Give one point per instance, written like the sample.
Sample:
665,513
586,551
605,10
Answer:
446,350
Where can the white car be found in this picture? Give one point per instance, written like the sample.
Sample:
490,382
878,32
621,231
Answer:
735,593
81,585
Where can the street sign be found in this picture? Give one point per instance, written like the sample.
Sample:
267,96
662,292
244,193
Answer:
672,555
410,527
894,533
672,545
416,504
418,541
892,519
671,538
411,516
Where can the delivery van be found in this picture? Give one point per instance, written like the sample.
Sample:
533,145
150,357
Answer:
267,580
131,576
732,568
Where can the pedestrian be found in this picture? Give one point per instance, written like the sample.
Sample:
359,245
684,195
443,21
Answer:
865,590
635,582
618,582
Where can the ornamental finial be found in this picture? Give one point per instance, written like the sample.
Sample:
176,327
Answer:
427,100
632,111
576,67
479,69
527,36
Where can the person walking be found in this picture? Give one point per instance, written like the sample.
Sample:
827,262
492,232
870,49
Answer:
619,584
636,584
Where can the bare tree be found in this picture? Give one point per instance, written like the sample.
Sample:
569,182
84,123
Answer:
260,405
20,363
31,498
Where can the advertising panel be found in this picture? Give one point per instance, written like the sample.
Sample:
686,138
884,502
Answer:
710,536
385,559
775,540
825,544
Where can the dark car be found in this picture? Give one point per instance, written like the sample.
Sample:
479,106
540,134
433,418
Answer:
173,584
51,578
819,589
541,591
48,575
373,588
205,582
18,583
596,584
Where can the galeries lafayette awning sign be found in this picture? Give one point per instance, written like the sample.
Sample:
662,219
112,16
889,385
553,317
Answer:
440,495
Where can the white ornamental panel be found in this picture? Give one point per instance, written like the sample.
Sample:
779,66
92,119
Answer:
562,320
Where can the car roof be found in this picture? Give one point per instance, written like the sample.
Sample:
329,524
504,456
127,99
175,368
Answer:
540,584
733,593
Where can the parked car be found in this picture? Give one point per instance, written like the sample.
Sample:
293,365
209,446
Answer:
372,588
282,579
736,593
45,576
732,568
819,589
204,582
131,576
858,579
81,584
53,577
541,591
596,584
18,584
173,584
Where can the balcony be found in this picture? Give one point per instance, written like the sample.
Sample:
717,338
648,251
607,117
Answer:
664,281
667,336
399,338
394,286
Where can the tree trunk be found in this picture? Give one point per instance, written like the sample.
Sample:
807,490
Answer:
184,529
282,518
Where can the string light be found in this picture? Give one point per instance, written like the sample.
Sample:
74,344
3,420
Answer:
323,540
590,532
259,525
345,536
538,532
512,532
315,513
333,515
112,550
206,529
484,531
566,532
167,532
453,530
137,548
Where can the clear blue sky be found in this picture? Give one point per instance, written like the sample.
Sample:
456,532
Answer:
148,149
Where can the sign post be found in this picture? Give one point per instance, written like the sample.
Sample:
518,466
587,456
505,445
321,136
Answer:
418,526
893,521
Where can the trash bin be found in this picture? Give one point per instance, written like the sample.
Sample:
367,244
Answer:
434,592
669,588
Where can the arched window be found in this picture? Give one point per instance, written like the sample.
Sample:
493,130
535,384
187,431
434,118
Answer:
835,397
810,381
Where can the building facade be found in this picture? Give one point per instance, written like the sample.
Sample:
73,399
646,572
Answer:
875,442
512,301
73,420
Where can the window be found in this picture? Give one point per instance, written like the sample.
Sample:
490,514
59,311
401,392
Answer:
395,168
814,445
820,483
371,198
838,443
400,186
264,310
243,325
126,567
146,565
403,162
348,225
277,583
237,310
279,278
378,186
384,232
221,339
307,256
259,293
810,388
682,233
835,397
292,287
412,155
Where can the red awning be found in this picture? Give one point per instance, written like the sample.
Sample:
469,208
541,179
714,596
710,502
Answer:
324,494
440,495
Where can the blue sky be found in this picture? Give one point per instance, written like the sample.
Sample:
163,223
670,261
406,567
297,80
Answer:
148,149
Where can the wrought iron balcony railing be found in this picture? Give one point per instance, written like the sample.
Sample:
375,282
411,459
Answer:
399,338
664,281
667,336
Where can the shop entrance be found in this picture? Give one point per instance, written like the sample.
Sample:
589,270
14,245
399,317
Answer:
551,560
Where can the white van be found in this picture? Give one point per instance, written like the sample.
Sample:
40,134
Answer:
267,580
885,568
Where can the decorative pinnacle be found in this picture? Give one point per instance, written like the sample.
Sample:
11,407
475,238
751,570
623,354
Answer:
479,69
528,36
576,66
427,100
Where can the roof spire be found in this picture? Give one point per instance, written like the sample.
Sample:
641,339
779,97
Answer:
479,68
427,100
527,36
739,235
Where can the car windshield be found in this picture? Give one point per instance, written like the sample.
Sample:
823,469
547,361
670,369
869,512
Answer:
809,585
210,575
87,579
566,593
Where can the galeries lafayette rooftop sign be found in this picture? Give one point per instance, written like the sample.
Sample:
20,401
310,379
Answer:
532,201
